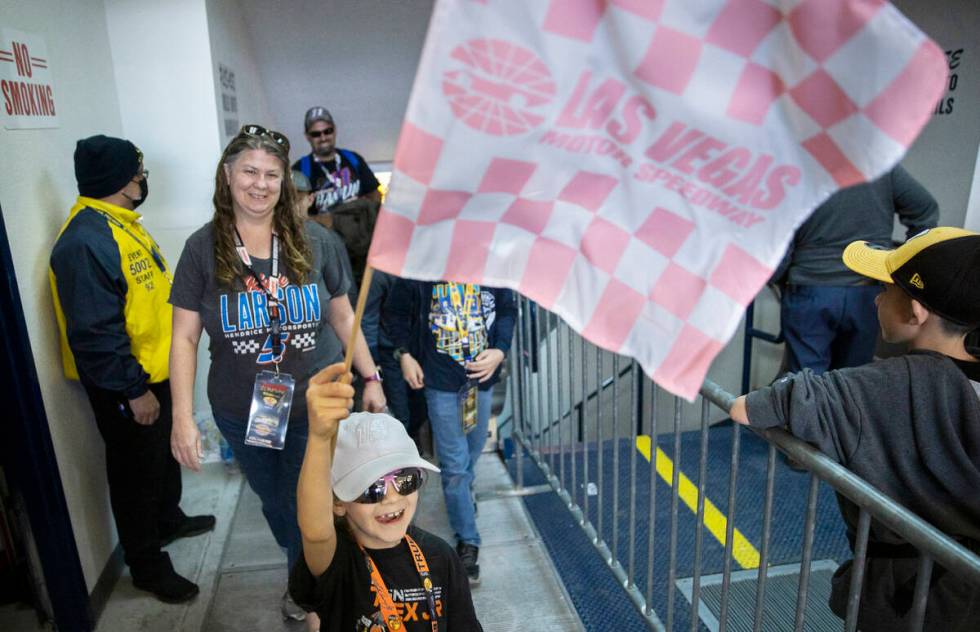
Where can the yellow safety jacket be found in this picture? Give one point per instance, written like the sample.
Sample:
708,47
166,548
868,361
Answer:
110,285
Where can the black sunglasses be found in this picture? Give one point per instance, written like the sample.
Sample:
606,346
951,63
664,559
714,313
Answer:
260,132
322,132
405,481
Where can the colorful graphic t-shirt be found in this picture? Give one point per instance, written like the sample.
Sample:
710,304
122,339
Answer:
458,320
342,179
237,319
346,600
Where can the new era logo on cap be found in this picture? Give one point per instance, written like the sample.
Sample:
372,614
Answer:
949,258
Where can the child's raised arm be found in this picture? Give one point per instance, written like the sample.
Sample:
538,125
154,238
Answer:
328,401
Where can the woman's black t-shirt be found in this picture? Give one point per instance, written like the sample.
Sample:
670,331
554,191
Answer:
343,595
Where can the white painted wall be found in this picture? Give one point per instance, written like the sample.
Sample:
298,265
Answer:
355,57
37,187
944,157
232,46
162,58
170,104
137,69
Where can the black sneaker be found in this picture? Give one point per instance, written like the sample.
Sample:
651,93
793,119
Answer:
188,528
169,587
469,554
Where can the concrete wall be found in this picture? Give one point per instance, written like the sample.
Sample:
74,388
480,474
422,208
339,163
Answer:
141,70
37,187
355,57
944,156
232,48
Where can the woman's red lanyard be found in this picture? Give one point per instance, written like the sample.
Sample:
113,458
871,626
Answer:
389,611
271,290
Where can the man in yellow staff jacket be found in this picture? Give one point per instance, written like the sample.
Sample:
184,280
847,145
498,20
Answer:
110,285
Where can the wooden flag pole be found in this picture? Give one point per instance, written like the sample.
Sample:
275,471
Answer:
355,329
358,315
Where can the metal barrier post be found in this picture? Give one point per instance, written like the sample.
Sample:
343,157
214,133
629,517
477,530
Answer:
921,594
857,571
653,498
615,447
699,530
559,381
634,392
760,591
598,440
675,497
584,440
808,530
539,395
519,403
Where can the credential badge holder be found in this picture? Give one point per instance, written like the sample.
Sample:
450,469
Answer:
272,399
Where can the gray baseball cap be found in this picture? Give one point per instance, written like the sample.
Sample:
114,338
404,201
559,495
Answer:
370,445
314,114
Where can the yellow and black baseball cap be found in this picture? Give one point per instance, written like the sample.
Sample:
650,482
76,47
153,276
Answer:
939,267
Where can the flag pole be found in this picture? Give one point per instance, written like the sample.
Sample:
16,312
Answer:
358,315
354,330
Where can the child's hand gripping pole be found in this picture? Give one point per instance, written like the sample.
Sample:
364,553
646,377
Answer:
328,401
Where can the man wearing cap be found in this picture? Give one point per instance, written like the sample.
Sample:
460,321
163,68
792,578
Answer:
827,311
337,175
110,285
909,425
347,195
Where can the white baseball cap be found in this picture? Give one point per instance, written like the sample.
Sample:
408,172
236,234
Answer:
370,445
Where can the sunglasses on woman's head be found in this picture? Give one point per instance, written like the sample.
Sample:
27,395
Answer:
260,132
405,481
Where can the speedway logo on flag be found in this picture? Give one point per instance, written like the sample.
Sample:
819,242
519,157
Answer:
639,166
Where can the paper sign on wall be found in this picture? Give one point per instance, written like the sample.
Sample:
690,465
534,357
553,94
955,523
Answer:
27,94
229,101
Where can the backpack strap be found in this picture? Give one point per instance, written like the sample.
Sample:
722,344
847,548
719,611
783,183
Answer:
351,157
306,166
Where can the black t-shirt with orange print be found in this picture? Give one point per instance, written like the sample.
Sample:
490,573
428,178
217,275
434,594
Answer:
345,600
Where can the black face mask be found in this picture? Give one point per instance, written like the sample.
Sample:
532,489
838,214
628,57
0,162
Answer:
144,191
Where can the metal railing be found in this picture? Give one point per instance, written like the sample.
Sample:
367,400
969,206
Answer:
552,424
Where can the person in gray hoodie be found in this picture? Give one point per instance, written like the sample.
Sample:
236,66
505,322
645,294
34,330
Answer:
909,425
827,310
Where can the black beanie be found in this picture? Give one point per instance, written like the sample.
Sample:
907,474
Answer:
103,165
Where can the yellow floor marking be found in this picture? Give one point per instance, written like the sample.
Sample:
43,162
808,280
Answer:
744,553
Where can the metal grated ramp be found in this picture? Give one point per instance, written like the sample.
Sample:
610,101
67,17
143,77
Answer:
781,588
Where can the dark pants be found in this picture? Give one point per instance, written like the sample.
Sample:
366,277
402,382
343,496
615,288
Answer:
144,479
829,327
404,404
273,476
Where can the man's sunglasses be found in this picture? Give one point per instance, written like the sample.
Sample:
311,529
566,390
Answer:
322,132
405,481
258,131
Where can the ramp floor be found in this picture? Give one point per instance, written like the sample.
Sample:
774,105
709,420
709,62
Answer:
562,534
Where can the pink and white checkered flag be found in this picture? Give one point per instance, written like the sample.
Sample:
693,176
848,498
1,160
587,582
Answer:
639,166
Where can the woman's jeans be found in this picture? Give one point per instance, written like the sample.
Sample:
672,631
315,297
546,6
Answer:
273,475
458,452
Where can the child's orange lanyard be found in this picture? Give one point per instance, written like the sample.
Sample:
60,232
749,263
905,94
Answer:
388,610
